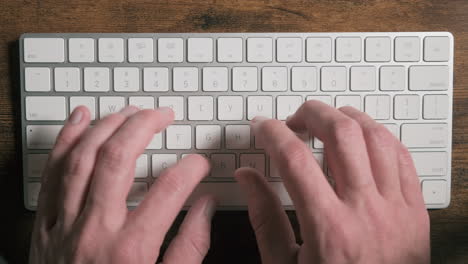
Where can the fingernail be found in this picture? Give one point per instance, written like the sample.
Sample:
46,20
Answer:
76,116
129,110
210,208
255,123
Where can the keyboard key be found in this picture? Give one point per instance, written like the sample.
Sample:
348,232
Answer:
160,162
36,164
142,102
424,135
255,161
33,193
274,79
200,50
96,79
333,79
179,137
89,102
170,50
244,79
430,163
230,49
230,107
435,106
287,105
378,49
393,128
156,79
304,79
407,49
378,106
428,78
137,193
215,79
141,169
55,108
156,142
185,79
259,50
176,103
348,49
41,136
259,106
208,137
237,136
37,79
81,50
289,49
406,106
223,165
200,108
363,78
126,79
436,48
348,100
110,104
67,79
140,50
326,99
392,78
434,191
111,50
44,50
319,49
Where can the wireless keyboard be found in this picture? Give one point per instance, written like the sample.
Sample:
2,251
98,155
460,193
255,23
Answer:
217,82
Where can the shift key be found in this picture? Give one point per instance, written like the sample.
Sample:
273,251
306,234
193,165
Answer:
424,135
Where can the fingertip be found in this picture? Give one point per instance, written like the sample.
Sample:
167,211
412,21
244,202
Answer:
167,111
79,114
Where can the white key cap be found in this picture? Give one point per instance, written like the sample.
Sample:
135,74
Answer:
41,136
436,48
274,79
259,106
215,79
406,106
407,49
126,79
200,108
244,79
319,49
378,106
141,169
348,49
223,165
393,128
33,193
326,99
96,79
156,79
46,108
378,49
156,142
348,100
289,49
363,78
185,79
430,163
89,102
36,164
67,79
170,50
230,49
81,50
392,78
37,79
44,50
259,50
179,137
304,79
287,105
176,103
160,162
142,102
424,135
428,78
434,191
140,50
200,50
237,136
230,107
110,104
317,143
137,193
111,50
435,106
333,79
208,137
255,161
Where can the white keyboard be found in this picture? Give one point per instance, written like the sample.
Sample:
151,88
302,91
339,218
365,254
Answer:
217,82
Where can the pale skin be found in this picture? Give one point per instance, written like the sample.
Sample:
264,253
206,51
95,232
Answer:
374,213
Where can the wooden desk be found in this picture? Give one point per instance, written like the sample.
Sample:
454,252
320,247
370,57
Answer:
233,240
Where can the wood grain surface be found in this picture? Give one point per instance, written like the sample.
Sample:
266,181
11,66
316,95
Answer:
232,238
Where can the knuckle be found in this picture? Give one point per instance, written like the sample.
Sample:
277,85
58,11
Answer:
199,243
171,181
345,129
380,134
294,154
113,155
77,163
65,138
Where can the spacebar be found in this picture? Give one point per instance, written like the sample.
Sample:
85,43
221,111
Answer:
230,193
